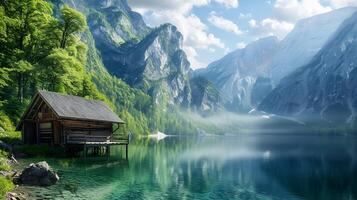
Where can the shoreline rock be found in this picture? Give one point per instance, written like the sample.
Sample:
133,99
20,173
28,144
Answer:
16,196
38,174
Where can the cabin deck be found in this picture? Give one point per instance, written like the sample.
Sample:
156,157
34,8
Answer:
97,142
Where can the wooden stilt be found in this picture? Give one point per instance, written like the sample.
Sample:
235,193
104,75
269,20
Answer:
126,152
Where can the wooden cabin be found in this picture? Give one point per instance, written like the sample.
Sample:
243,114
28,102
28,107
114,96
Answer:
57,119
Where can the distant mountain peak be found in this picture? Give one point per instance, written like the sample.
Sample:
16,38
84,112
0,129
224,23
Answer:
326,86
305,41
235,74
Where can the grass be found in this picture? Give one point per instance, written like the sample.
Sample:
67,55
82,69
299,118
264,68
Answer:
6,185
4,166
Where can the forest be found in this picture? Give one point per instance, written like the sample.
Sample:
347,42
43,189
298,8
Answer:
45,47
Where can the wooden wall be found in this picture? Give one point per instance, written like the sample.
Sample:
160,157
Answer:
29,132
59,128
87,127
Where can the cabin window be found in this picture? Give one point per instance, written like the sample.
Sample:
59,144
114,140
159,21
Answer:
45,132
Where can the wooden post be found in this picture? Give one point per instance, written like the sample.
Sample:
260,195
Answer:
126,151
107,150
37,133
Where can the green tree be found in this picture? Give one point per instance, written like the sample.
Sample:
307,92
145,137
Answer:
61,72
72,22
23,26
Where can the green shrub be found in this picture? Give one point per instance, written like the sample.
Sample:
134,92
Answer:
6,185
4,166
7,130
5,123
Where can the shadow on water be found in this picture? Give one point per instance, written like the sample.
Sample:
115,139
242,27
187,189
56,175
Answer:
214,167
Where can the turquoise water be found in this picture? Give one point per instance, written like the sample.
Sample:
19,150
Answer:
213,167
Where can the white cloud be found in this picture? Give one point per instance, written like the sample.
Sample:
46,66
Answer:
269,27
224,24
293,10
183,6
178,12
160,5
192,57
245,16
228,3
241,45
285,14
342,3
252,23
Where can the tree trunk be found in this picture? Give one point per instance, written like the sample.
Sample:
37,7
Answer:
64,38
20,89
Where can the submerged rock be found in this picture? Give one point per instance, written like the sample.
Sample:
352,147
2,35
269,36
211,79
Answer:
39,174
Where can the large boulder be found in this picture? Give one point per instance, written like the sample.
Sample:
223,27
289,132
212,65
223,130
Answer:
39,174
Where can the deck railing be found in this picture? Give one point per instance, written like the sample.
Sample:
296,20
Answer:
84,139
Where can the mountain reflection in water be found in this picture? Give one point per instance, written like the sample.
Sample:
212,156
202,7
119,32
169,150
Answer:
214,167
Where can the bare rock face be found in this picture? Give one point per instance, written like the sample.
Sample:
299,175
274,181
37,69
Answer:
262,87
39,174
326,87
234,75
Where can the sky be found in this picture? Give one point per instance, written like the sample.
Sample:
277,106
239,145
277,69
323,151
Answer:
213,28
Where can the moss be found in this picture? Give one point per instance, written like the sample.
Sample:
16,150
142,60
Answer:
6,185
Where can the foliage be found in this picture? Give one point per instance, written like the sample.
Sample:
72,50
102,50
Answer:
40,52
6,185
7,130
4,166
71,22
58,54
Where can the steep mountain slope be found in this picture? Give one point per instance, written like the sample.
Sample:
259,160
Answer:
149,59
235,74
157,60
205,97
327,86
111,21
147,96
305,40
262,87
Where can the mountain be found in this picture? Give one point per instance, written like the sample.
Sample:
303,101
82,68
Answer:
261,88
326,87
157,60
113,21
305,40
205,97
234,75
151,60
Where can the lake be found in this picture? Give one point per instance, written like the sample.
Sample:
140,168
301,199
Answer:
213,167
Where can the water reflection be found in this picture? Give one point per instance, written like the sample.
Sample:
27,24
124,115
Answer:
240,167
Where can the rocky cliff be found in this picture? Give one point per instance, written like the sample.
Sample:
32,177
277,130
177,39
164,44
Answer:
325,87
205,97
235,74
150,59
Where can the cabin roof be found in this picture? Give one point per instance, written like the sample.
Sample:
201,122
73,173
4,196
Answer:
74,107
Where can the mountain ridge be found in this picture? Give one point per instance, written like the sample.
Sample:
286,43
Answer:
325,87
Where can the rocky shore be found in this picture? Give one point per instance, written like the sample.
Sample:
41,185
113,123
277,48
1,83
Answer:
36,174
